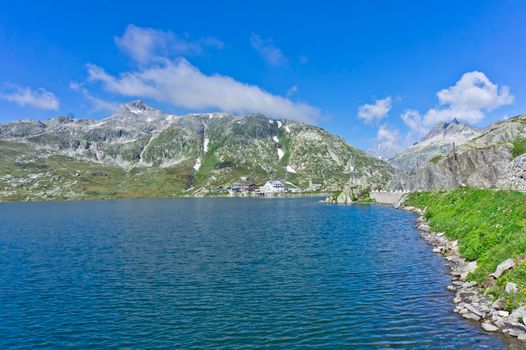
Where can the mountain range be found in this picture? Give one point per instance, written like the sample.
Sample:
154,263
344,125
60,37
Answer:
139,151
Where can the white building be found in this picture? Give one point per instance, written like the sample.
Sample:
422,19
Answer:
272,186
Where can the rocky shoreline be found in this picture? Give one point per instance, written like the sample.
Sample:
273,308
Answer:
470,300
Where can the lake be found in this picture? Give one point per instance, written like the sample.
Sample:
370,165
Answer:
223,273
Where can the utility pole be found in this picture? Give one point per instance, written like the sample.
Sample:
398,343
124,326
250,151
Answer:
454,166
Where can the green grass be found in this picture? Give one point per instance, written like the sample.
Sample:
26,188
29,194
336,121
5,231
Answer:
435,159
519,147
490,227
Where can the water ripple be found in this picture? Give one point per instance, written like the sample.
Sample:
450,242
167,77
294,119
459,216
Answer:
223,274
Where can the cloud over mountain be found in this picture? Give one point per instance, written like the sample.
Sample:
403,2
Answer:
376,110
468,100
179,83
175,81
28,97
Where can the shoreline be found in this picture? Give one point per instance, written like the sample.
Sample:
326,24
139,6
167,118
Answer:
64,200
471,301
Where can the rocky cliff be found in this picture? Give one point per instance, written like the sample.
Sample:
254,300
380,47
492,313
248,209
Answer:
483,161
139,151
438,142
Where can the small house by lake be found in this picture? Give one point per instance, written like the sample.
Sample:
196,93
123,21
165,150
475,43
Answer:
272,186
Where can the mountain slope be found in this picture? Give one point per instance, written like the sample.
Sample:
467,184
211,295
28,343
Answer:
438,142
483,161
142,152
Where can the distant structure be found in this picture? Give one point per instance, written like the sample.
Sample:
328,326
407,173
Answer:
241,188
272,186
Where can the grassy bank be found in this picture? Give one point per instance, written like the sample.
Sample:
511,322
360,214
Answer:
490,227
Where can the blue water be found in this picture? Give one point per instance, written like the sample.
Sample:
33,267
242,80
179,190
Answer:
223,274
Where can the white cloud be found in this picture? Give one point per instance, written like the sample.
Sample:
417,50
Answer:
413,120
468,100
293,90
388,142
267,50
179,83
375,111
98,103
27,97
147,44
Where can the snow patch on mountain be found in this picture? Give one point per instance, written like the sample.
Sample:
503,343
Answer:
197,164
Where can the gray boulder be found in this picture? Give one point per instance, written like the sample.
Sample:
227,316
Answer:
503,267
516,174
519,314
511,287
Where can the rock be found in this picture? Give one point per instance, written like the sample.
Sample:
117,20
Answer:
352,193
488,327
511,287
457,300
503,267
499,304
466,269
516,174
519,314
436,250
502,313
515,328
451,288
471,316
475,311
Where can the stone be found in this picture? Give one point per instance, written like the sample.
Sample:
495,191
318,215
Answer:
471,316
451,288
503,267
502,313
488,327
519,314
511,287
516,174
468,268
475,310
499,304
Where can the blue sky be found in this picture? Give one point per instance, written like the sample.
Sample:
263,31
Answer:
378,73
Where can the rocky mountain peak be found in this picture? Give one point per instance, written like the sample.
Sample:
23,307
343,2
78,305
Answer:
135,107
448,128
438,142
